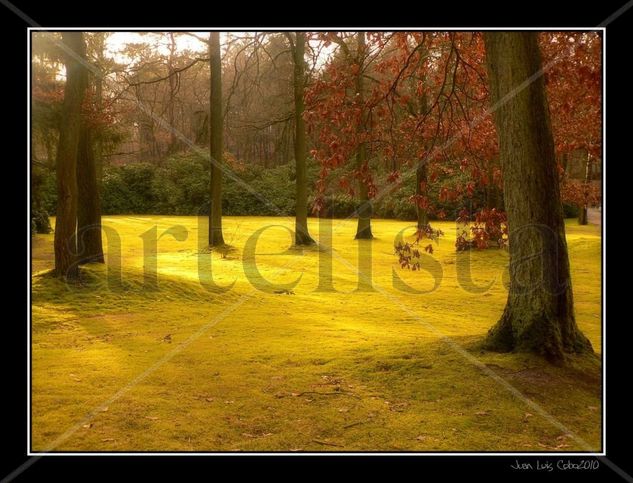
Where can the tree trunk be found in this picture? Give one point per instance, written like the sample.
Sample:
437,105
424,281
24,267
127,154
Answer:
98,80
90,248
74,92
363,230
171,101
421,179
216,148
539,314
582,214
302,236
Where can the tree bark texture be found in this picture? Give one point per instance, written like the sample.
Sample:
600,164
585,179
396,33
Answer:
216,145
302,236
89,242
539,314
363,229
421,180
74,92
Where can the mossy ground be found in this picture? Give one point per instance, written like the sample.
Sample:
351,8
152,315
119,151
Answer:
309,370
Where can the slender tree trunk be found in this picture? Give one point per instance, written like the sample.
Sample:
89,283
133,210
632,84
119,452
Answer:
98,80
89,243
421,173
216,148
302,237
97,141
582,214
421,179
66,222
565,162
363,229
539,314
173,86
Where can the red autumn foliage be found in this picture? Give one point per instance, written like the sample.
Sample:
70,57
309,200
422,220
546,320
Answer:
488,229
409,252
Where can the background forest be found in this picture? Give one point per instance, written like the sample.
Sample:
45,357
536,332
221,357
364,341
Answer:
149,122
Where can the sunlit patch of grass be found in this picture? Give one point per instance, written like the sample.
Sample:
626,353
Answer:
306,370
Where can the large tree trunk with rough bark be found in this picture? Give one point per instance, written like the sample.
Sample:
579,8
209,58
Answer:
74,92
539,314
216,145
302,237
363,230
89,243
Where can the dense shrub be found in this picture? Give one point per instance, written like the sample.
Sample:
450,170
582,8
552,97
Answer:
396,205
47,192
259,191
180,186
570,211
40,222
337,206
129,189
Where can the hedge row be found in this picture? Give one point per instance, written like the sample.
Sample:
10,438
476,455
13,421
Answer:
180,187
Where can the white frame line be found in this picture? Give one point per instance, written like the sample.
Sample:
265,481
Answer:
354,29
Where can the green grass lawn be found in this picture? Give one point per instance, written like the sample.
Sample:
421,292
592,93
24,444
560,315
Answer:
183,368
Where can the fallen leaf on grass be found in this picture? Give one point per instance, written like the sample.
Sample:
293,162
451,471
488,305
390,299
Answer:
152,418
87,426
421,438
398,407
209,399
